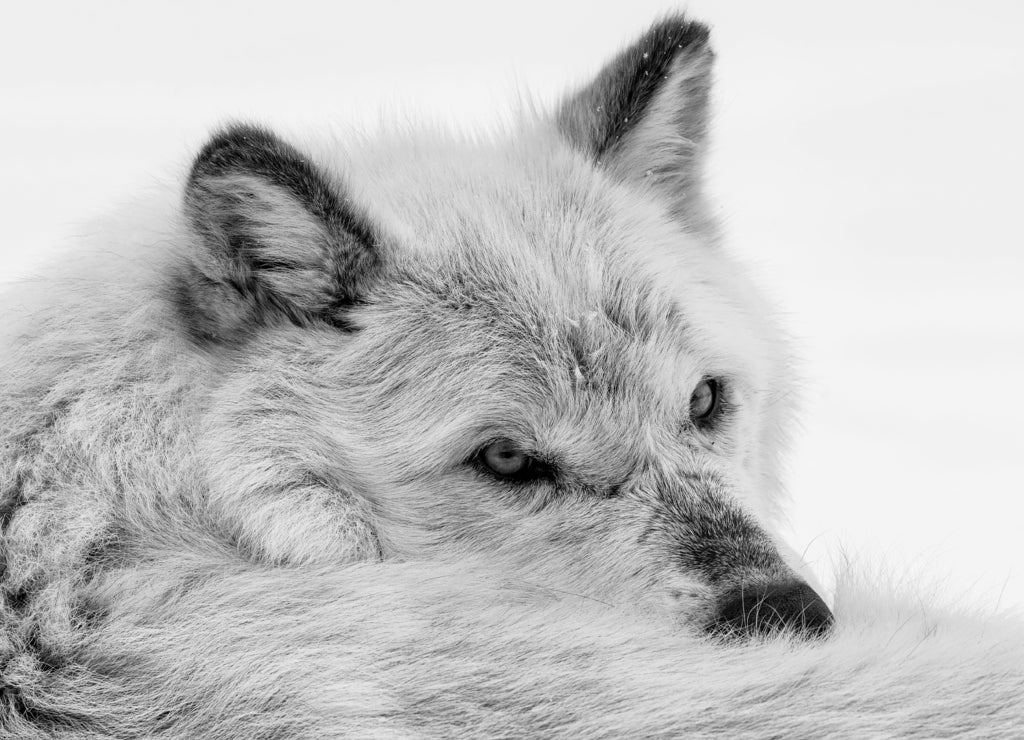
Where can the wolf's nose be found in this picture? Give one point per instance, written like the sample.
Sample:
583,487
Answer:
765,609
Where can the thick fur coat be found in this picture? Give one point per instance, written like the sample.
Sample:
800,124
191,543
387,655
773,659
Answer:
431,437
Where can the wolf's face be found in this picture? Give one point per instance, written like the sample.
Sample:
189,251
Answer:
530,348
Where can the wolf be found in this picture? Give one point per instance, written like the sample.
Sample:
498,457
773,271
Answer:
438,437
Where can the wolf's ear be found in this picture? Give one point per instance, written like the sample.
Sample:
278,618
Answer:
644,117
277,240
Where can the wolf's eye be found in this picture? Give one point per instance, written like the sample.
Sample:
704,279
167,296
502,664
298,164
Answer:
506,460
704,401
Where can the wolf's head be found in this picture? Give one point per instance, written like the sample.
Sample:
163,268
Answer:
531,347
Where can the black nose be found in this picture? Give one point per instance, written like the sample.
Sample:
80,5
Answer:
767,609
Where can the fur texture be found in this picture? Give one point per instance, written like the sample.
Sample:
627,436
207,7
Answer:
407,441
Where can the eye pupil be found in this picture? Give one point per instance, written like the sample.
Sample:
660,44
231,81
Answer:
504,458
704,400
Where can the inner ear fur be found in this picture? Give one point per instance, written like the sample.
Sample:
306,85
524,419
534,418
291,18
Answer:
644,117
276,239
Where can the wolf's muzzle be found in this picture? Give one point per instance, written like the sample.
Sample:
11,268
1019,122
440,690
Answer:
767,609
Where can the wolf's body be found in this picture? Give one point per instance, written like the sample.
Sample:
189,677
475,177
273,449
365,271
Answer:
253,478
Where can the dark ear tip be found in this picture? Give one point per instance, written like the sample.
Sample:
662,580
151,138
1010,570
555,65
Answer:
237,145
677,32
695,32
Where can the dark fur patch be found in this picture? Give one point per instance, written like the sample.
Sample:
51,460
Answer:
232,293
618,99
11,499
251,150
711,535
12,698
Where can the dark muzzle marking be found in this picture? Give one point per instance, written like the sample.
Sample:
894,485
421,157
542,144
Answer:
714,539
766,610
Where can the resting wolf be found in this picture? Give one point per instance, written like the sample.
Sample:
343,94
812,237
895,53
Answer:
433,438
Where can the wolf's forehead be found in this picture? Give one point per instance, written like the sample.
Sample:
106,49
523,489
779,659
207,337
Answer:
529,211
529,340
535,235
562,279
446,194
569,328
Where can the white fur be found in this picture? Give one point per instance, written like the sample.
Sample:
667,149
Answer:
282,536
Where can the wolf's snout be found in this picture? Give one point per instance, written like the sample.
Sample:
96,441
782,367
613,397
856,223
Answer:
766,609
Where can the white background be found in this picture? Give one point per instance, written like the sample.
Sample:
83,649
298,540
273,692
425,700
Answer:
868,164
